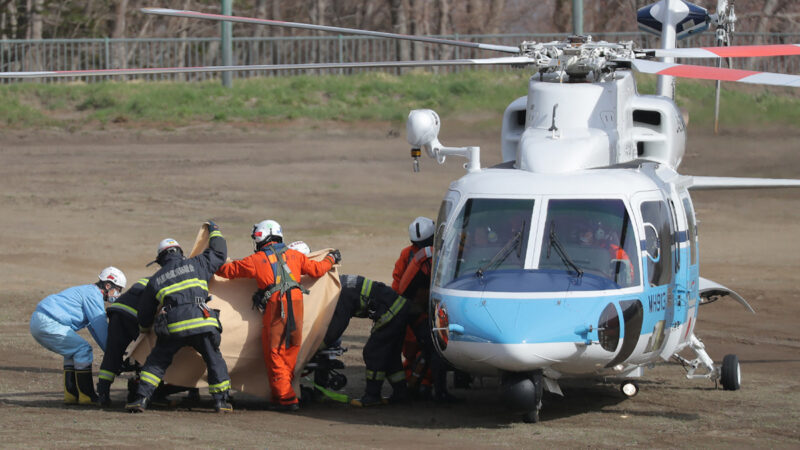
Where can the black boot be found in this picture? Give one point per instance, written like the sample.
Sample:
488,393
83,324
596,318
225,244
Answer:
372,395
70,387
399,392
221,404
86,394
103,393
138,405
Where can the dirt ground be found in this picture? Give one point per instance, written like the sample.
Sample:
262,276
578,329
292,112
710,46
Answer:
74,203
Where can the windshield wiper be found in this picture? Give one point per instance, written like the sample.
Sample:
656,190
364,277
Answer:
503,253
562,253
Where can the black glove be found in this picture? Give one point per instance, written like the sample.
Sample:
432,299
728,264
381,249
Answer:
212,226
336,255
260,300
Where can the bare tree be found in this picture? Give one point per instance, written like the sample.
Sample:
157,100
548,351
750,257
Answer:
400,26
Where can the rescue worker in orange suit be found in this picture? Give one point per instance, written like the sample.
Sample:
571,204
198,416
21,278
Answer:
180,291
391,314
420,232
123,328
278,270
415,286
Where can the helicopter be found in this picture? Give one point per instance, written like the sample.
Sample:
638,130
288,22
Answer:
577,256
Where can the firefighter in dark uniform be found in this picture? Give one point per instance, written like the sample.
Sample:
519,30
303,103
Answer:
123,328
391,313
180,290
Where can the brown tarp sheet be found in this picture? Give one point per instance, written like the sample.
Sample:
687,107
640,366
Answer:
241,336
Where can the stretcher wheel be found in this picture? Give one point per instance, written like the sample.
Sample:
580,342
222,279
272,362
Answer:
337,381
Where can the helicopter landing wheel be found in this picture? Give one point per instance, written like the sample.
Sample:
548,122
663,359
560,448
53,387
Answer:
629,388
531,416
731,376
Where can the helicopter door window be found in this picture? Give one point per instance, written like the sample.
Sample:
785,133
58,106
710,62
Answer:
659,241
487,234
595,237
692,229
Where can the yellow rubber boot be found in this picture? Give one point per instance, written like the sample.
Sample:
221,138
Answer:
70,386
86,394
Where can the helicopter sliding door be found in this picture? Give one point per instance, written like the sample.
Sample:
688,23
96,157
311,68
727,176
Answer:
658,222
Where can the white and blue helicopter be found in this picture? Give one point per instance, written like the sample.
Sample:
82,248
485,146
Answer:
577,257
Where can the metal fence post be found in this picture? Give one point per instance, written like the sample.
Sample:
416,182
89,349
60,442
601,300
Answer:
227,44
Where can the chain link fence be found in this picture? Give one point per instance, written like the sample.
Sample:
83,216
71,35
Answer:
86,54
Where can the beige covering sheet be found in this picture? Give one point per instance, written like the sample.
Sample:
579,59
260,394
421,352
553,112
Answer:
241,336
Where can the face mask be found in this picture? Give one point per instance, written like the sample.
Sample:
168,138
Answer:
112,295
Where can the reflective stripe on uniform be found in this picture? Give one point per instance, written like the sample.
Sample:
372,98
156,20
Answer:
375,375
125,308
219,387
149,378
397,377
106,375
190,324
143,281
185,284
215,233
389,315
366,288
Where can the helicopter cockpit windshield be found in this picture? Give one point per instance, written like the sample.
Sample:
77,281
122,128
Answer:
488,233
596,237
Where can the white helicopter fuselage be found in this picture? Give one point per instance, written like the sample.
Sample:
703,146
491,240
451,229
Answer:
533,310
515,289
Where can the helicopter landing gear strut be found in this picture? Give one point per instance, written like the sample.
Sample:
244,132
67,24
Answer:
729,374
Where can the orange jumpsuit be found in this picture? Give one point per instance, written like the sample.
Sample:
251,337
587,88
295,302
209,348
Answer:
400,265
280,359
411,262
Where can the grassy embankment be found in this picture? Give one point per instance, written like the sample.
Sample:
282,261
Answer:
366,96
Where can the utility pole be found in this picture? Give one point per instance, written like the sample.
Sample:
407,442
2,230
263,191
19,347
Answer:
227,44
577,17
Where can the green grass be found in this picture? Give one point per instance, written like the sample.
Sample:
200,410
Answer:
365,96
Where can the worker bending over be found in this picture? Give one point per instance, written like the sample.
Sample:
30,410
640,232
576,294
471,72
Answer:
57,318
391,314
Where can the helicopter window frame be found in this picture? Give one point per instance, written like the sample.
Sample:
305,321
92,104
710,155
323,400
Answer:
657,211
444,273
691,228
632,241
446,208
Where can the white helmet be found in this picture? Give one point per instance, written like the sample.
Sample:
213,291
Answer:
264,229
421,228
114,276
167,245
300,246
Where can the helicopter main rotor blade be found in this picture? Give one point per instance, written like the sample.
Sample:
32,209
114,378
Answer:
507,60
732,51
715,73
278,23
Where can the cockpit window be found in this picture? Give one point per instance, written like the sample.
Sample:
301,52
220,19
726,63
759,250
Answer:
488,234
591,237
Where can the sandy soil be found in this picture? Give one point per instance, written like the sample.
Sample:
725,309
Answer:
74,203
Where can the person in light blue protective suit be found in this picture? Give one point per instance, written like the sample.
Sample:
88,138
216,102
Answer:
57,318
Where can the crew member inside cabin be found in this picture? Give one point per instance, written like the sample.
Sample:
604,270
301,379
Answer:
277,270
58,317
